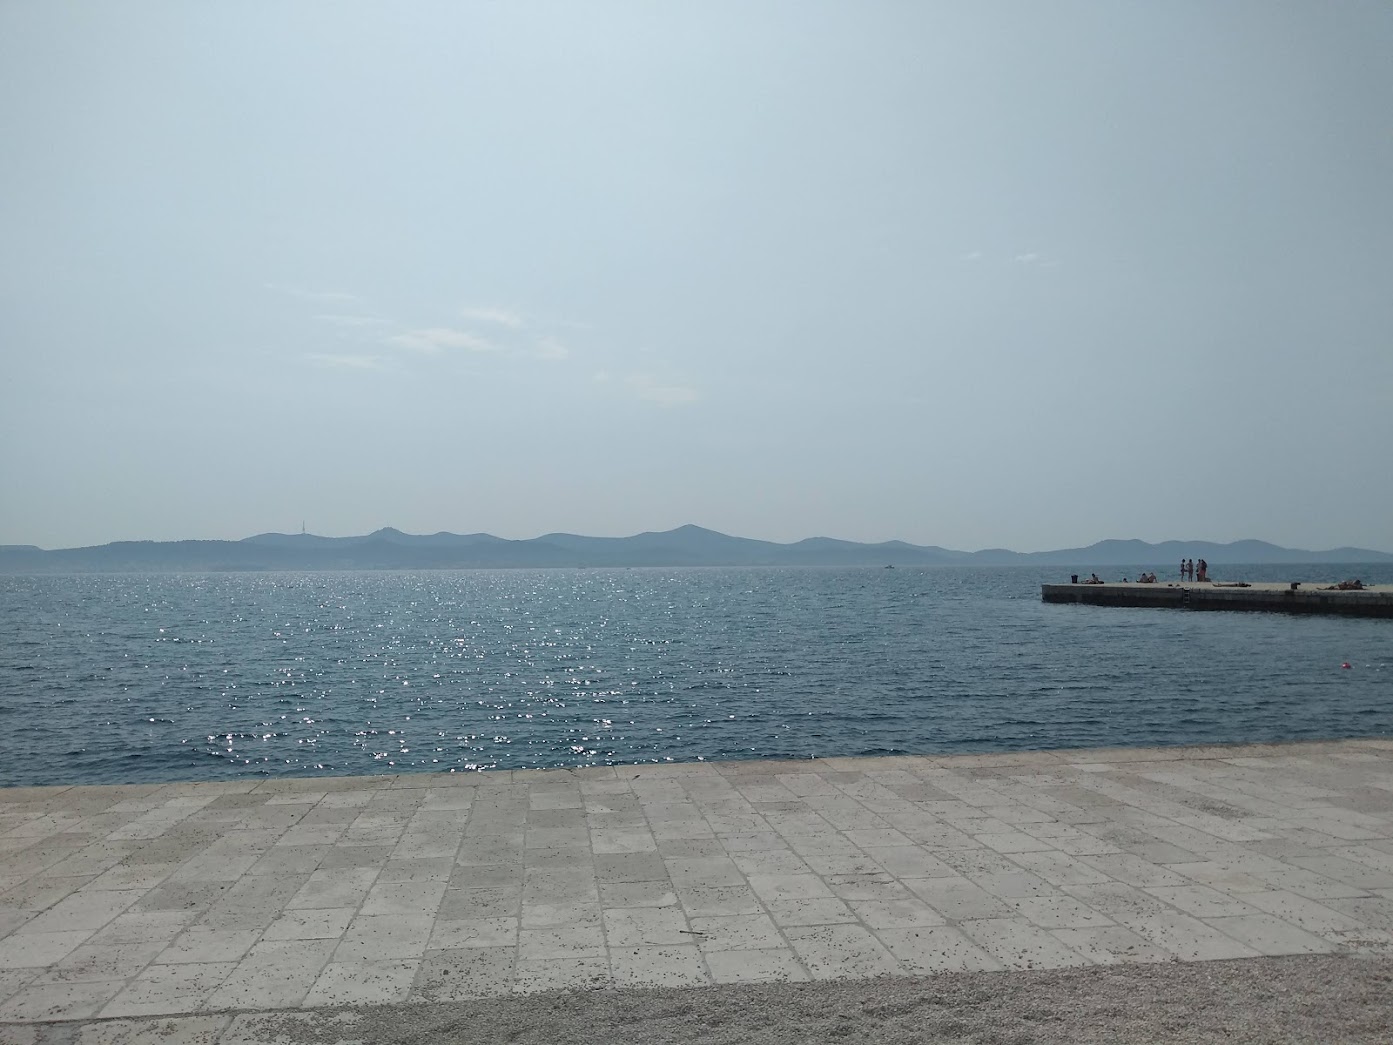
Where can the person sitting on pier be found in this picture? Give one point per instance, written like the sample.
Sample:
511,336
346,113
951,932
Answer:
1354,585
1093,579
1147,578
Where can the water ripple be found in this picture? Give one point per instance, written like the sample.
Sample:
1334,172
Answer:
153,677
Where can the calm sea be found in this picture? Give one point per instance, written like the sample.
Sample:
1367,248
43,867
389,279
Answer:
126,678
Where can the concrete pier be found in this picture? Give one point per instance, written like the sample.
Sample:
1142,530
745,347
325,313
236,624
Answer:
219,902
1372,601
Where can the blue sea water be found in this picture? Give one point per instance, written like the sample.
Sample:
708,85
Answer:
145,677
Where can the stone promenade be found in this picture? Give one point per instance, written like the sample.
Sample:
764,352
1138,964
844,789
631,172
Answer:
225,899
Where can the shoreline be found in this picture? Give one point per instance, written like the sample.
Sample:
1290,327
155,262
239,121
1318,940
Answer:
418,778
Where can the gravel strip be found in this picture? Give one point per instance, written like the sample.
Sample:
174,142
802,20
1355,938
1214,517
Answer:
1321,999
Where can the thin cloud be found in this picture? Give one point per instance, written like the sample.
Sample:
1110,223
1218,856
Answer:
972,255
337,320
346,361
1027,259
501,316
651,390
552,348
311,295
434,340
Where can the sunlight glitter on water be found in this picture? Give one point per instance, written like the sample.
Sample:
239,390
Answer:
210,676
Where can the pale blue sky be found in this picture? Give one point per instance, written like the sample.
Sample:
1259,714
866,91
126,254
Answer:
981,274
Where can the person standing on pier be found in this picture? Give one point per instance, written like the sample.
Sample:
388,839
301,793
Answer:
1182,569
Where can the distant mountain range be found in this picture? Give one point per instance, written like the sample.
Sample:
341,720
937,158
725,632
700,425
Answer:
389,549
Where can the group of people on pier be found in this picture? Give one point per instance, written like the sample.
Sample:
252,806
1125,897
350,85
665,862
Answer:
1190,570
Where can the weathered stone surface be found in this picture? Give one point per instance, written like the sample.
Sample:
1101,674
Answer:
194,898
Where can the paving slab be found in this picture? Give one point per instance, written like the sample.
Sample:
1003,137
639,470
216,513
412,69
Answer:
188,902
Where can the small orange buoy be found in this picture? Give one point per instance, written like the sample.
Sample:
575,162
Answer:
1345,664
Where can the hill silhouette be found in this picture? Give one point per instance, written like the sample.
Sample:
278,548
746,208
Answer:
391,549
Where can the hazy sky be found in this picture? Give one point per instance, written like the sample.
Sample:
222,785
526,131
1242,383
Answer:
972,274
